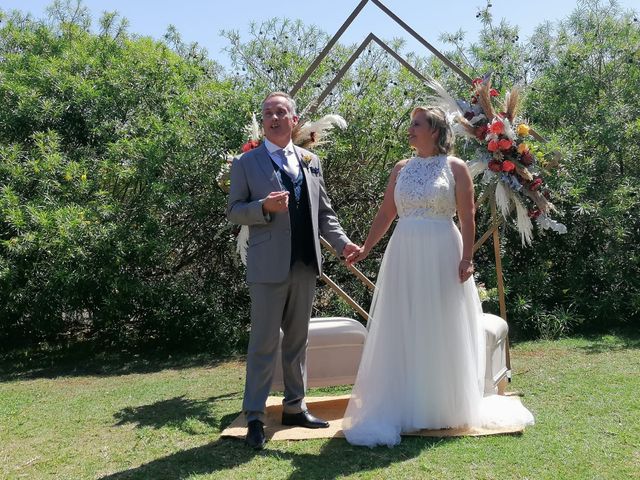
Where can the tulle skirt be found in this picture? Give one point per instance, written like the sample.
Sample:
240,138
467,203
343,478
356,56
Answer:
423,362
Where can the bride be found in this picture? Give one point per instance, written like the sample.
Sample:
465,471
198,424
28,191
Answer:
423,361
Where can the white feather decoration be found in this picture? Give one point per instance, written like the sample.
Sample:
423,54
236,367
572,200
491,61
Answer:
315,131
525,227
508,129
459,130
441,98
503,199
243,243
253,129
488,176
547,222
476,167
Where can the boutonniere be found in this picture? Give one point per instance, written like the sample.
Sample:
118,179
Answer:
306,158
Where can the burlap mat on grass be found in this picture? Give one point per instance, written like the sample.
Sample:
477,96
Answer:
332,409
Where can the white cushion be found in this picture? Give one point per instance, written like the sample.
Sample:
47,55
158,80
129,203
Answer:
333,353
496,330
336,343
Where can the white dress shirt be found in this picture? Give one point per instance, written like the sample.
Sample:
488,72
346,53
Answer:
291,166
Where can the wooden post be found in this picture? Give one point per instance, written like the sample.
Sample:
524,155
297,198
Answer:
499,279
352,268
342,294
496,251
327,48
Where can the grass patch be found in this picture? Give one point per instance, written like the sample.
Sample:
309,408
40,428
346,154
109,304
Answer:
113,418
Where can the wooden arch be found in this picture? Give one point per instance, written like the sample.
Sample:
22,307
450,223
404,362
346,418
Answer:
372,38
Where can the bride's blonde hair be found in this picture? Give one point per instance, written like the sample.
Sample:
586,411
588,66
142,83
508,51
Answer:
437,119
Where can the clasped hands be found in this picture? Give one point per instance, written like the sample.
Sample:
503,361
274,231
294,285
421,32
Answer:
355,254
465,267
279,202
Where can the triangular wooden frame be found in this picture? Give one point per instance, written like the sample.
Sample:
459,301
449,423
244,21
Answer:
496,221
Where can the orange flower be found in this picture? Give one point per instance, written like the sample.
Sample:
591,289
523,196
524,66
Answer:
496,127
523,147
505,144
508,166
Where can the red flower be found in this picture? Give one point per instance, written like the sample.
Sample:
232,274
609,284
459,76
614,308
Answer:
481,132
495,166
508,166
476,81
493,92
534,213
505,144
250,145
535,184
496,127
492,146
526,159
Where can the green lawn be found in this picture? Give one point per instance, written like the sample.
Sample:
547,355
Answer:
110,419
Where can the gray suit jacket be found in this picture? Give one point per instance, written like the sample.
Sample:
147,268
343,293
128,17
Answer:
269,252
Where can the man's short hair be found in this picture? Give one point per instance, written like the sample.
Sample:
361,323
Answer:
289,98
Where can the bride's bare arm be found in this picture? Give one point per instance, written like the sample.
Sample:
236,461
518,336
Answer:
466,215
383,219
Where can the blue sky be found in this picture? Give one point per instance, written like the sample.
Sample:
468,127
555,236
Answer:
201,21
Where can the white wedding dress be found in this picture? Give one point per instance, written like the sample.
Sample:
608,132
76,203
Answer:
423,360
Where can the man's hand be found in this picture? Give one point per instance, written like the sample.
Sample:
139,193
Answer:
276,202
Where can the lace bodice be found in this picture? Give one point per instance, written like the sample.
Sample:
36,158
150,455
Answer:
425,188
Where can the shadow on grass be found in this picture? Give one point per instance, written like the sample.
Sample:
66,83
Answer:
336,459
178,412
82,360
612,343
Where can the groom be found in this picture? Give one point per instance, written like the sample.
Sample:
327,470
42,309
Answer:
278,190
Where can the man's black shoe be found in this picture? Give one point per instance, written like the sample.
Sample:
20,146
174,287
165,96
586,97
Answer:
303,419
255,435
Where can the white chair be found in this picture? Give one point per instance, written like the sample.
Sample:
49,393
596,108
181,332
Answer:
336,343
333,353
496,371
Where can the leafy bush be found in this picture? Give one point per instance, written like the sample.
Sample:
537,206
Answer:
111,223
112,227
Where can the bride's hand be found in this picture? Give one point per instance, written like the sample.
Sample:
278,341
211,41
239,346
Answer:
465,269
357,255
